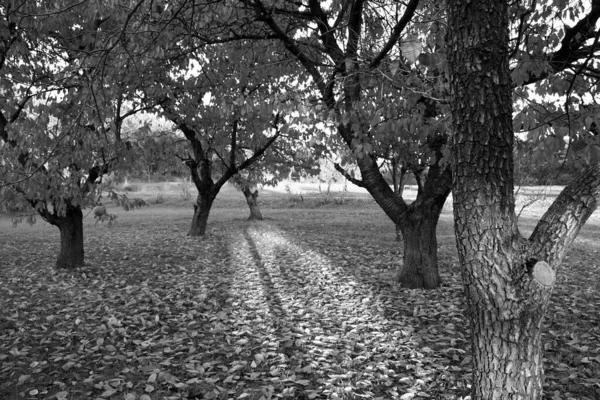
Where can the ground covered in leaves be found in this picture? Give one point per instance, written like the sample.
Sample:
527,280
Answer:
300,306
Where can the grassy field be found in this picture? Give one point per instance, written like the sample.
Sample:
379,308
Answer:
302,305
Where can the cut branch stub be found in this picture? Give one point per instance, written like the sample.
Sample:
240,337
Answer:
543,273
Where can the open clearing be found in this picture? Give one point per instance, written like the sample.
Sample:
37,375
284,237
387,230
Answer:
302,305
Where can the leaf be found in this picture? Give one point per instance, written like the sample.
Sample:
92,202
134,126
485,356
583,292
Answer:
312,295
108,393
411,48
62,395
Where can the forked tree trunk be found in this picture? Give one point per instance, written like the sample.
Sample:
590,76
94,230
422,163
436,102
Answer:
508,279
505,329
252,200
201,213
420,269
70,225
418,221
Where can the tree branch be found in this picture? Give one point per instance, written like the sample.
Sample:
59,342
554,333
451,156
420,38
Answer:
559,226
188,132
232,170
346,175
354,28
327,36
398,28
572,45
233,144
262,149
262,14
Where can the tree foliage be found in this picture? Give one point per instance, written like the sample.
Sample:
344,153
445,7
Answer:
67,92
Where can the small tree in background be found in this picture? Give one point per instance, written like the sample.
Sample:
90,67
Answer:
228,110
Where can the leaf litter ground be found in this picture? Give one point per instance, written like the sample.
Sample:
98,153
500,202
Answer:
300,306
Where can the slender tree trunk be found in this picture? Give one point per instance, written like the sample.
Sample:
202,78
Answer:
201,212
252,200
399,178
70,225
420,268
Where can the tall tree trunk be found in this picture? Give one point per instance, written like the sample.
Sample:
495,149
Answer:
251,199
508,280
504,336
201,212
420,268
70,225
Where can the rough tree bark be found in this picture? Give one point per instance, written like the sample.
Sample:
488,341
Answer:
207,192
399,176
508,279
252,200
202,209
70,225
420,267
418,220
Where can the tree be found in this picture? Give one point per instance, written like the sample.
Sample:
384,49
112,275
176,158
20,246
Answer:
508,279
365,86
156,150
286,155
228,113
61,118
353,76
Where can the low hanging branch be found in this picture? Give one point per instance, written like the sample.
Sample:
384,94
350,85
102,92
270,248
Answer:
346,175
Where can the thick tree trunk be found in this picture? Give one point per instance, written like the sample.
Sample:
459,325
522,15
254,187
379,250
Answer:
201,213
252,200
420,269
507,356
418,221
71,238
505,323
508,280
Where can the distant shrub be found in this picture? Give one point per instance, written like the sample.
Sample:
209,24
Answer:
131,188
159,199
293,197
122,200
185,192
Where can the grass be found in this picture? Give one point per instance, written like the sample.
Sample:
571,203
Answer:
299,306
